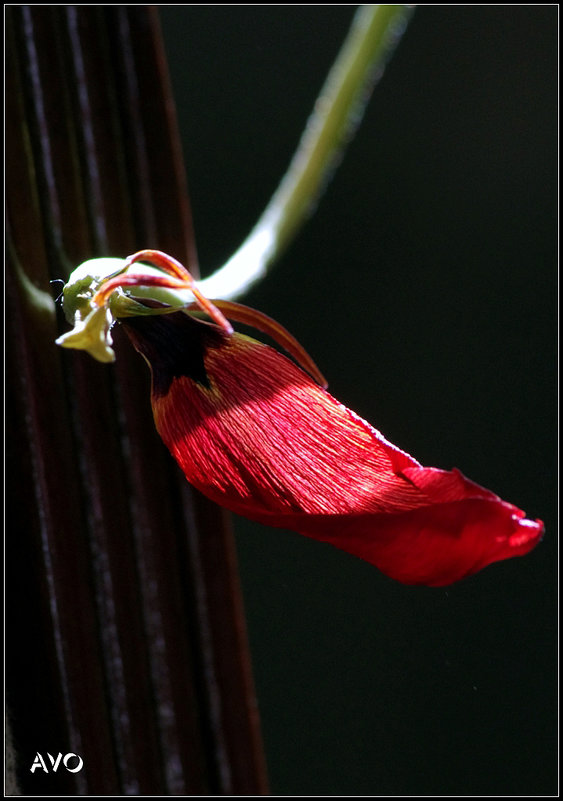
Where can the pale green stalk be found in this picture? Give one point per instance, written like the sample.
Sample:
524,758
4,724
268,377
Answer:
375,31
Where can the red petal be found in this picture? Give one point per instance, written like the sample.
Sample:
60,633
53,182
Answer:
255,434
265,438
433,545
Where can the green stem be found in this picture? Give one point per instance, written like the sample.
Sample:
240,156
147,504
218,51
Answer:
375,31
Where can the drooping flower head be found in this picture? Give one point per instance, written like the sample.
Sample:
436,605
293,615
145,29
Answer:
262,437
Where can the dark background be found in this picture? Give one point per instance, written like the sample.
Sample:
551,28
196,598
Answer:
425,288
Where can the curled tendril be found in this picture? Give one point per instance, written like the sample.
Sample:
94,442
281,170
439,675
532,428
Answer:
102,290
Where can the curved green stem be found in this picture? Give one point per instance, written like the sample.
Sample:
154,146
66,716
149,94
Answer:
375,31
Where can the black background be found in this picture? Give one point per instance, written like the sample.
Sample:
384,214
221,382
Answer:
425,288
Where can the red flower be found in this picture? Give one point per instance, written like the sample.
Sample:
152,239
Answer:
256,434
